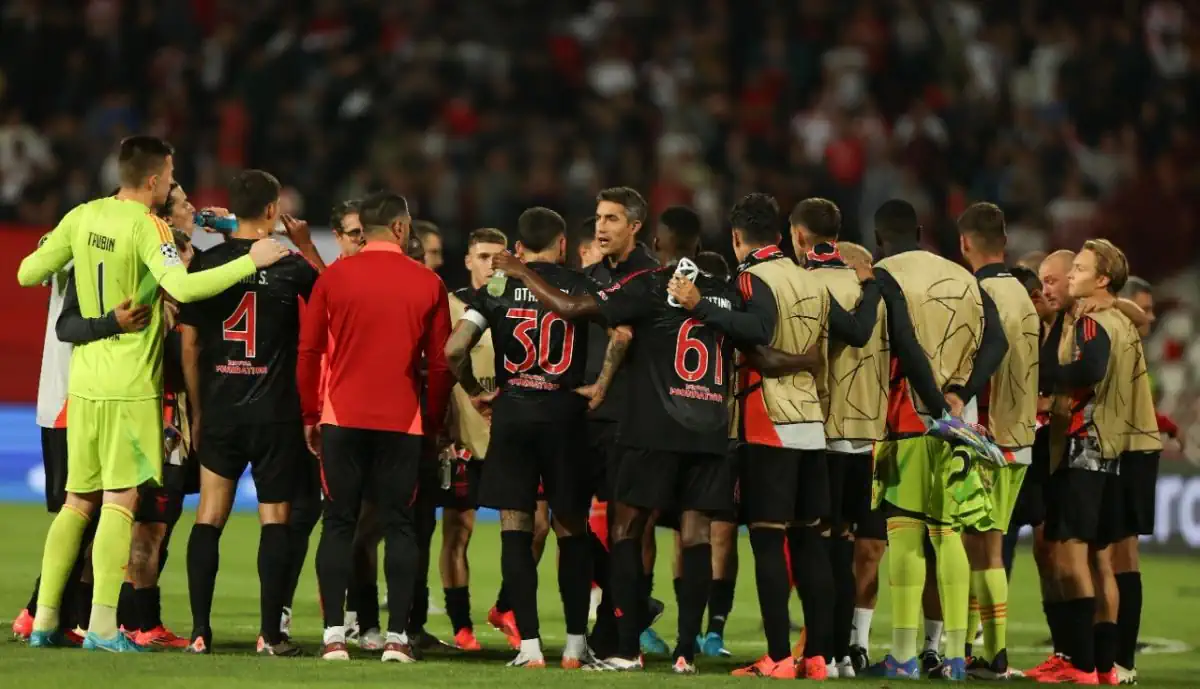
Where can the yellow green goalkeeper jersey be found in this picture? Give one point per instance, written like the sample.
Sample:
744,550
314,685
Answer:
122,251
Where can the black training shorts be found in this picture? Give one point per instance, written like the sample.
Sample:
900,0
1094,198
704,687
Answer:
273,451
778,485
524,457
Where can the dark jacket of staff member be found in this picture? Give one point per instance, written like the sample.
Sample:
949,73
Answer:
375,316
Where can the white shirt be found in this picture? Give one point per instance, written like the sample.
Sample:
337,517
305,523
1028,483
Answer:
56,362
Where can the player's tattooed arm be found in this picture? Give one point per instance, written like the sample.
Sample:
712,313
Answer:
465,336
619,339
568,306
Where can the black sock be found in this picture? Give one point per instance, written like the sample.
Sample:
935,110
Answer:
694,590
1106,645
626,564
677,582
1079,615
127,616
771,579
720,604
520,578
814,583
31,606
575,581
148,603
841,559
300,527
503,604
273,565
458,607
1129,617
1054,620
203,559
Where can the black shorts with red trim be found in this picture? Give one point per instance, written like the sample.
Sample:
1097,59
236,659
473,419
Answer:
531,461
463,493
162,504
779,484
674,481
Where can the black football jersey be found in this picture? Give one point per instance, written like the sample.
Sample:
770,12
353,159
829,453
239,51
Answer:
248,338
540,357
678,368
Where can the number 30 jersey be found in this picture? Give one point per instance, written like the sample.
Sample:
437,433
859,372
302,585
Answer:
540,358
248,337
679,368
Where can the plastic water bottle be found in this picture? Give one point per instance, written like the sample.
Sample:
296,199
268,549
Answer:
496,283
685,269
218,223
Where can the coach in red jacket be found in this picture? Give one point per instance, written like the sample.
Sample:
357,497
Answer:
375,316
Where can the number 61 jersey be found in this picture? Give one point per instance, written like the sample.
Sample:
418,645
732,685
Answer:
540,358
248,337
679,368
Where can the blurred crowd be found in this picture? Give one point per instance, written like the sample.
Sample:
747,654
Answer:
1077,116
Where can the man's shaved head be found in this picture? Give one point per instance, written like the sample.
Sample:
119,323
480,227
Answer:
1053,272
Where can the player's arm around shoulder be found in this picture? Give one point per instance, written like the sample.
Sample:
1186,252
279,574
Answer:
53,251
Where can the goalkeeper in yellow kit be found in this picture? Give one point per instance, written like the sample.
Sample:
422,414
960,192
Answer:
114,437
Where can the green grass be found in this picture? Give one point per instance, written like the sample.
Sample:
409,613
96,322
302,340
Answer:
1172,613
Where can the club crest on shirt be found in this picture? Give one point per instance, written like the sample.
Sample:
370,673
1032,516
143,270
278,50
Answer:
170,254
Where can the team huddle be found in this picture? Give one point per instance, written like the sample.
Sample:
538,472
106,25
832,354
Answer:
598,387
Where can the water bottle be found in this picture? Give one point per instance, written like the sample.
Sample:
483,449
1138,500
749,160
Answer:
219,223
685,269
496,283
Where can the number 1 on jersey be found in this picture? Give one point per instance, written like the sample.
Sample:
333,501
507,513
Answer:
233,329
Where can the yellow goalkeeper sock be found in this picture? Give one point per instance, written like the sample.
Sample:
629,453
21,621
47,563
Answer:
110,557
954,586
994,609
906,570
58,558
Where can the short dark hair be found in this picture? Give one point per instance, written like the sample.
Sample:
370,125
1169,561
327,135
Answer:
820,216
713,263
141,157
984,222
382,208
486,235
168,206
338,215
587,230
415,248
757,216
539,227
634,204
684,225
1028,278
424,228
251,191
897,219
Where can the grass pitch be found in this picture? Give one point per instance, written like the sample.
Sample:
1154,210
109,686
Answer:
1171,623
